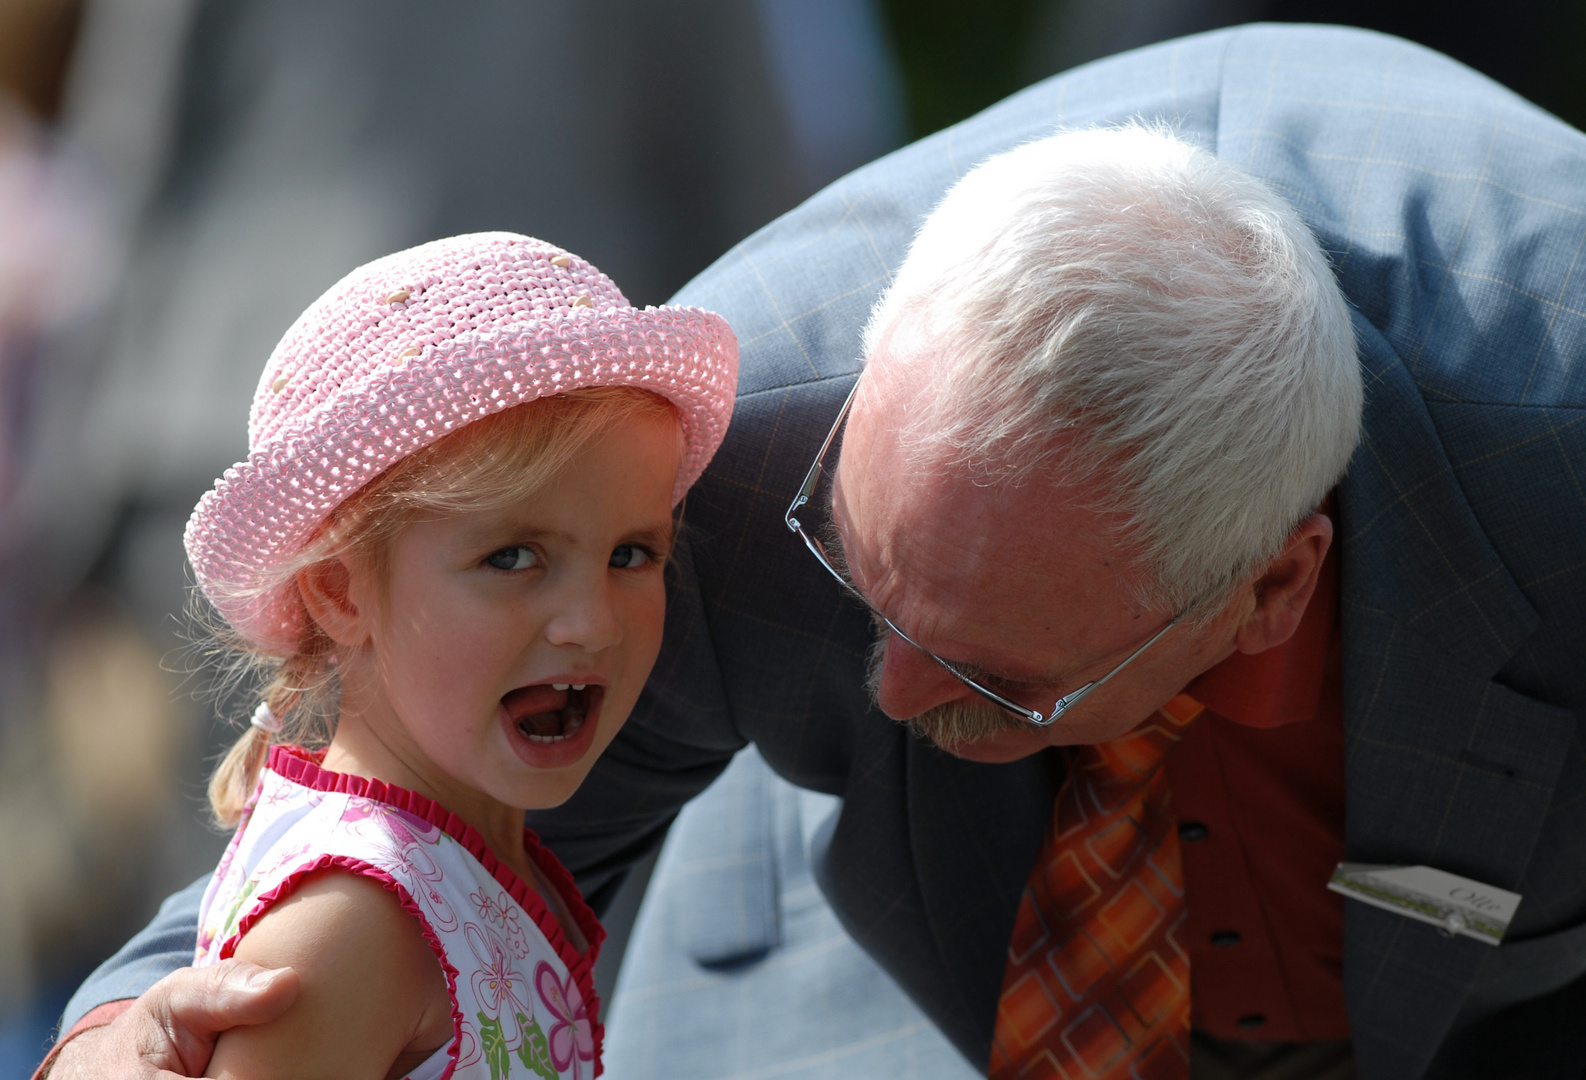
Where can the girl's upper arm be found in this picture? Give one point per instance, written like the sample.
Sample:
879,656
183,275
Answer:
372,990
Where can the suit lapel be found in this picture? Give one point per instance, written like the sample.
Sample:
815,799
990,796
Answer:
1443,766
975,831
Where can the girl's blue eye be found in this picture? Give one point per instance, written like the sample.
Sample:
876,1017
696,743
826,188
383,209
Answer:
513,558
629,556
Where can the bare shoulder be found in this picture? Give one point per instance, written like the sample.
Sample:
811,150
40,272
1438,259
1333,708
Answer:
336,915
372,992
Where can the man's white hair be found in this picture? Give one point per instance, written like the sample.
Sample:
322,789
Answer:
1120,308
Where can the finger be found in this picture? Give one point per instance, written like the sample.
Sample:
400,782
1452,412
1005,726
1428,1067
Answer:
188,1009
225,995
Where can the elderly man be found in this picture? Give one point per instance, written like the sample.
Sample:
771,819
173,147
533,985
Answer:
1087,532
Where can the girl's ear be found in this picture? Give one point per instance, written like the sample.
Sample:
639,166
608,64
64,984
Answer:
332,599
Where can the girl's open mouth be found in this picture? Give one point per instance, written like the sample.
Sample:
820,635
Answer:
552,725
552,713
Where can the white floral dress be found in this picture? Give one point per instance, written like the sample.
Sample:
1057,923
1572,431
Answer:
523,1000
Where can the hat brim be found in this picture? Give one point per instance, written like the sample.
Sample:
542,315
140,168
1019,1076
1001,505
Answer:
263,510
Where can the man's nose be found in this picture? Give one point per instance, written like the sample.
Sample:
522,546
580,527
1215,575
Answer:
912,682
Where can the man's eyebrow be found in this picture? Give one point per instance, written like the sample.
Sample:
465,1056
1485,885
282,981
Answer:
991,675
977,672
831,540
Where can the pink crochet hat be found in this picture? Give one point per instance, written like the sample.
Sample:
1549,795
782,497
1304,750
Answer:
411,347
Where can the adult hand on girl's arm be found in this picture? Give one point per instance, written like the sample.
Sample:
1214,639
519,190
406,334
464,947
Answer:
171,1030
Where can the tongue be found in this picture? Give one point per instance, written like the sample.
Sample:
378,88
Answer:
537,709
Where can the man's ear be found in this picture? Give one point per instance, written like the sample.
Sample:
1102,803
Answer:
332,599
1284,589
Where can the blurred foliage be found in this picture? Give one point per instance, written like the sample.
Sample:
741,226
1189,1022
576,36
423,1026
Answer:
1563,69
957,57
1534,47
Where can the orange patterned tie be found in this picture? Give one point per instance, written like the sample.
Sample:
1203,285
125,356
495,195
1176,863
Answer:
1097,983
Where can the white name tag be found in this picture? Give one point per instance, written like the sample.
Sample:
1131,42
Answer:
1453,904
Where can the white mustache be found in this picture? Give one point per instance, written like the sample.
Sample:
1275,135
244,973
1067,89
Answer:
950,725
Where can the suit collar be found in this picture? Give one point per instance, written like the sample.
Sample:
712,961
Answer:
1431,569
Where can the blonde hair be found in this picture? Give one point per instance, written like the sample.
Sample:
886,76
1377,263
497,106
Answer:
492,463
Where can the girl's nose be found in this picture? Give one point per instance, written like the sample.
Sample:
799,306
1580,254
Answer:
586,618
911,682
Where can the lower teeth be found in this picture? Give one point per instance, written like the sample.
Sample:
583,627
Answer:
563,737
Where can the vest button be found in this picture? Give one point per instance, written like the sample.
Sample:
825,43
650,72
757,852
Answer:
1251,1022
1226,939
1193,831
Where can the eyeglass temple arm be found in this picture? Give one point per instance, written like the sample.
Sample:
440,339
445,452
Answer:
807,488
1068,701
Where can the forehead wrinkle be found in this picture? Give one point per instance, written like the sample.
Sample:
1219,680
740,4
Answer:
999,669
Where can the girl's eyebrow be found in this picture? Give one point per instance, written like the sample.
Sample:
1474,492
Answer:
495,532
659,537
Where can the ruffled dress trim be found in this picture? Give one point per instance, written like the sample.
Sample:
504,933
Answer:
303,767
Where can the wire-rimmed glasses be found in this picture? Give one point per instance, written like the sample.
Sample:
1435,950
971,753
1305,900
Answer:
1062,705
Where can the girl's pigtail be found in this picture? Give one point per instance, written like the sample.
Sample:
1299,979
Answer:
236,775
232,784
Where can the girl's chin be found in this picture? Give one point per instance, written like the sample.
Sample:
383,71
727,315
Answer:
559,752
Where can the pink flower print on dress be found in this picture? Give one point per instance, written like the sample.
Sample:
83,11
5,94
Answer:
497,982
502,913
489,910
281,860
208,934
271,795
224,869
423,876
407,828
572,1036
467,1046
240,905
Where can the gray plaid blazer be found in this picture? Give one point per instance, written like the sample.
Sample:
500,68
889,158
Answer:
1455,214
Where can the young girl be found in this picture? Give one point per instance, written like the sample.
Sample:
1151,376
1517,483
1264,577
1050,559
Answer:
446,549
